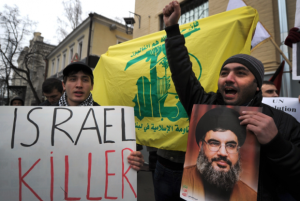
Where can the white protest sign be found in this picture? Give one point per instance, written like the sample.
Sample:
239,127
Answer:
288,105
67,153
296,61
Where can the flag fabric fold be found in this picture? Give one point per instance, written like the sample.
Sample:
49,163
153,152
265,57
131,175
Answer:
277,77
136,73
261,35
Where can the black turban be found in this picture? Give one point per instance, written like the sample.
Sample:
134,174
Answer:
221,118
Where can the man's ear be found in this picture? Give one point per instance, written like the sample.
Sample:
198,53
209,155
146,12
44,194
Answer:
63,85
200,144
257,88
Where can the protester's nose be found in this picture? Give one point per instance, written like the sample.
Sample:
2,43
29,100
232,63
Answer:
230,77
79,83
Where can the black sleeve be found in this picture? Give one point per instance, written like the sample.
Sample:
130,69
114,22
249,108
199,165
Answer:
187,86
45,103
283,153
95,104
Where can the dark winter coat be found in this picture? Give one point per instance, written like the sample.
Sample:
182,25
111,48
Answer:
279,171
45,103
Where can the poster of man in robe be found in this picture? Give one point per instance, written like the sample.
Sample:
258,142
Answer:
222,157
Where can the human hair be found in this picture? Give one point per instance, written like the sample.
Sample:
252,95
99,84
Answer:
17,98
50,84
220,119
268,82
76,71
254,65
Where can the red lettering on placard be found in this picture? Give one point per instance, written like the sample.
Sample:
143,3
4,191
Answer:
108,174
21,179
124,174
52,178
67,180
89,180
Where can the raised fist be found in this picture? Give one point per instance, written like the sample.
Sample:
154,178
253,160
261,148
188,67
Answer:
171,13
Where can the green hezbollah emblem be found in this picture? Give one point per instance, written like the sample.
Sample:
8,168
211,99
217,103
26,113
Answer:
151,96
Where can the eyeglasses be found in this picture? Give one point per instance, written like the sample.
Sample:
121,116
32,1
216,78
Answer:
231,148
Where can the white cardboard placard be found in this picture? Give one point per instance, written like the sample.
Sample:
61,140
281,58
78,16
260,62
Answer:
39,161
288,105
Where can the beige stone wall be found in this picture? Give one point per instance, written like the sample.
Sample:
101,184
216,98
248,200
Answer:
149,11
72,43
103,37
268,13
217,6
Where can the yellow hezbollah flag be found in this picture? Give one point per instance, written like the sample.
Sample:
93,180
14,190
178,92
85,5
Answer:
136,73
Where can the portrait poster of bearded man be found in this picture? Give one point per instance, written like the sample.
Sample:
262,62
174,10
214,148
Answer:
222,157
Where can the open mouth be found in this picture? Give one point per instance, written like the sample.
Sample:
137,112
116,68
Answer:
230,91
221,166
78,93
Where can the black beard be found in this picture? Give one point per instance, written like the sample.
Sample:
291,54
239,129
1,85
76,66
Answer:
221,179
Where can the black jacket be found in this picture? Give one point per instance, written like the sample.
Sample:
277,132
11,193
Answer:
45,103
94,104
279,171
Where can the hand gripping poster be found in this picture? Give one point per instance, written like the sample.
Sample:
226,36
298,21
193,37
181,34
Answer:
222,157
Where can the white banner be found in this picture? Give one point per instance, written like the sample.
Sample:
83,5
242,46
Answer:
288,105
67,153
296,61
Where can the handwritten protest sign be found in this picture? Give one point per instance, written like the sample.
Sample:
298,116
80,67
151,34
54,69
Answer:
67,153
288,105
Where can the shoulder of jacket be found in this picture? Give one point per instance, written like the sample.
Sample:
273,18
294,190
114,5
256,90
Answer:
96,104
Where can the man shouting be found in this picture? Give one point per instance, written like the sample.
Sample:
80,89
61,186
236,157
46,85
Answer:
239,84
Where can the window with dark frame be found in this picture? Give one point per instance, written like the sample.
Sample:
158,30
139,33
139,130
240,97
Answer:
79,49
71,55
57,65
64,61
191,10
52,69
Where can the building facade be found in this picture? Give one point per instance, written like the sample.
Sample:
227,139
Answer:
277,16
32,60
89,40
